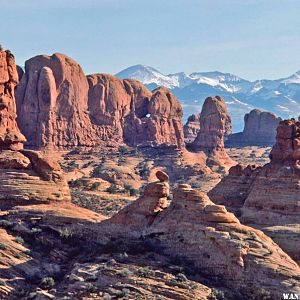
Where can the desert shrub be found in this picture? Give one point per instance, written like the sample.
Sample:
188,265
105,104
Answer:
95,186
2,246
132,191
123,150
145,272
97,171
2,282
181,277
113,189
216,295
19,240
66,233
47,282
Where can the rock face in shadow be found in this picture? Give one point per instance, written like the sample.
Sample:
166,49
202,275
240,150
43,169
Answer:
215,124
271,199
25,176
59,107
195,229
259,130
191,128
10,135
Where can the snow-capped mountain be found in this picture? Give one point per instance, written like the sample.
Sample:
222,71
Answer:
281,96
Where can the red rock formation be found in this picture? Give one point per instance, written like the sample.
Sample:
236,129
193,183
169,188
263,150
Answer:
209,237
52,103
10,136
191,128
260,129
24,175
60,107
271,193
215,124
233,189
161,126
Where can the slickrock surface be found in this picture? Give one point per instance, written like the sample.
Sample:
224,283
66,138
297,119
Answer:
59,107
233,189
215,124
196,230
10,135
259,130
271,193
191,128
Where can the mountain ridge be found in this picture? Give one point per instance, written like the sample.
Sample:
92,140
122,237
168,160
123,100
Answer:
280,96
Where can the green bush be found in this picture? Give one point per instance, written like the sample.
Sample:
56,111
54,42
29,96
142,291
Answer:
113,189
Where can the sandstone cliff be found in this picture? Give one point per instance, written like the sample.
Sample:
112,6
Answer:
196,230
215,124
10,135
259,130
25,176
268,197
59,107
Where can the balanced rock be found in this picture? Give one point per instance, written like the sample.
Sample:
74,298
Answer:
259,130
162,176
191,128
212,240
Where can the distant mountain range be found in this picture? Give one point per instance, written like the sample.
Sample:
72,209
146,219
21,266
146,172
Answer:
281,96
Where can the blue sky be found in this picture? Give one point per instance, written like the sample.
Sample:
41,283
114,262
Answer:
251,38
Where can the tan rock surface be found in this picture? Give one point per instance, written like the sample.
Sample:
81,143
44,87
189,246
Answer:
209,237
270,194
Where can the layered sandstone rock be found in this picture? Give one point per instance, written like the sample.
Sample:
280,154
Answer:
10,135
270,195
215,124
195,229
52,103
141,118
59,107
191,128
25,176
233,189
259,130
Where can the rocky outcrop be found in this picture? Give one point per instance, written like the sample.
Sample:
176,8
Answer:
259,130
10,135
215,124
25,176
195,229
234,188
141,118
270,195
191,128
59,107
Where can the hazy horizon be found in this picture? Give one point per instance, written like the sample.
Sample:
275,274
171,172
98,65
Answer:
253,39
